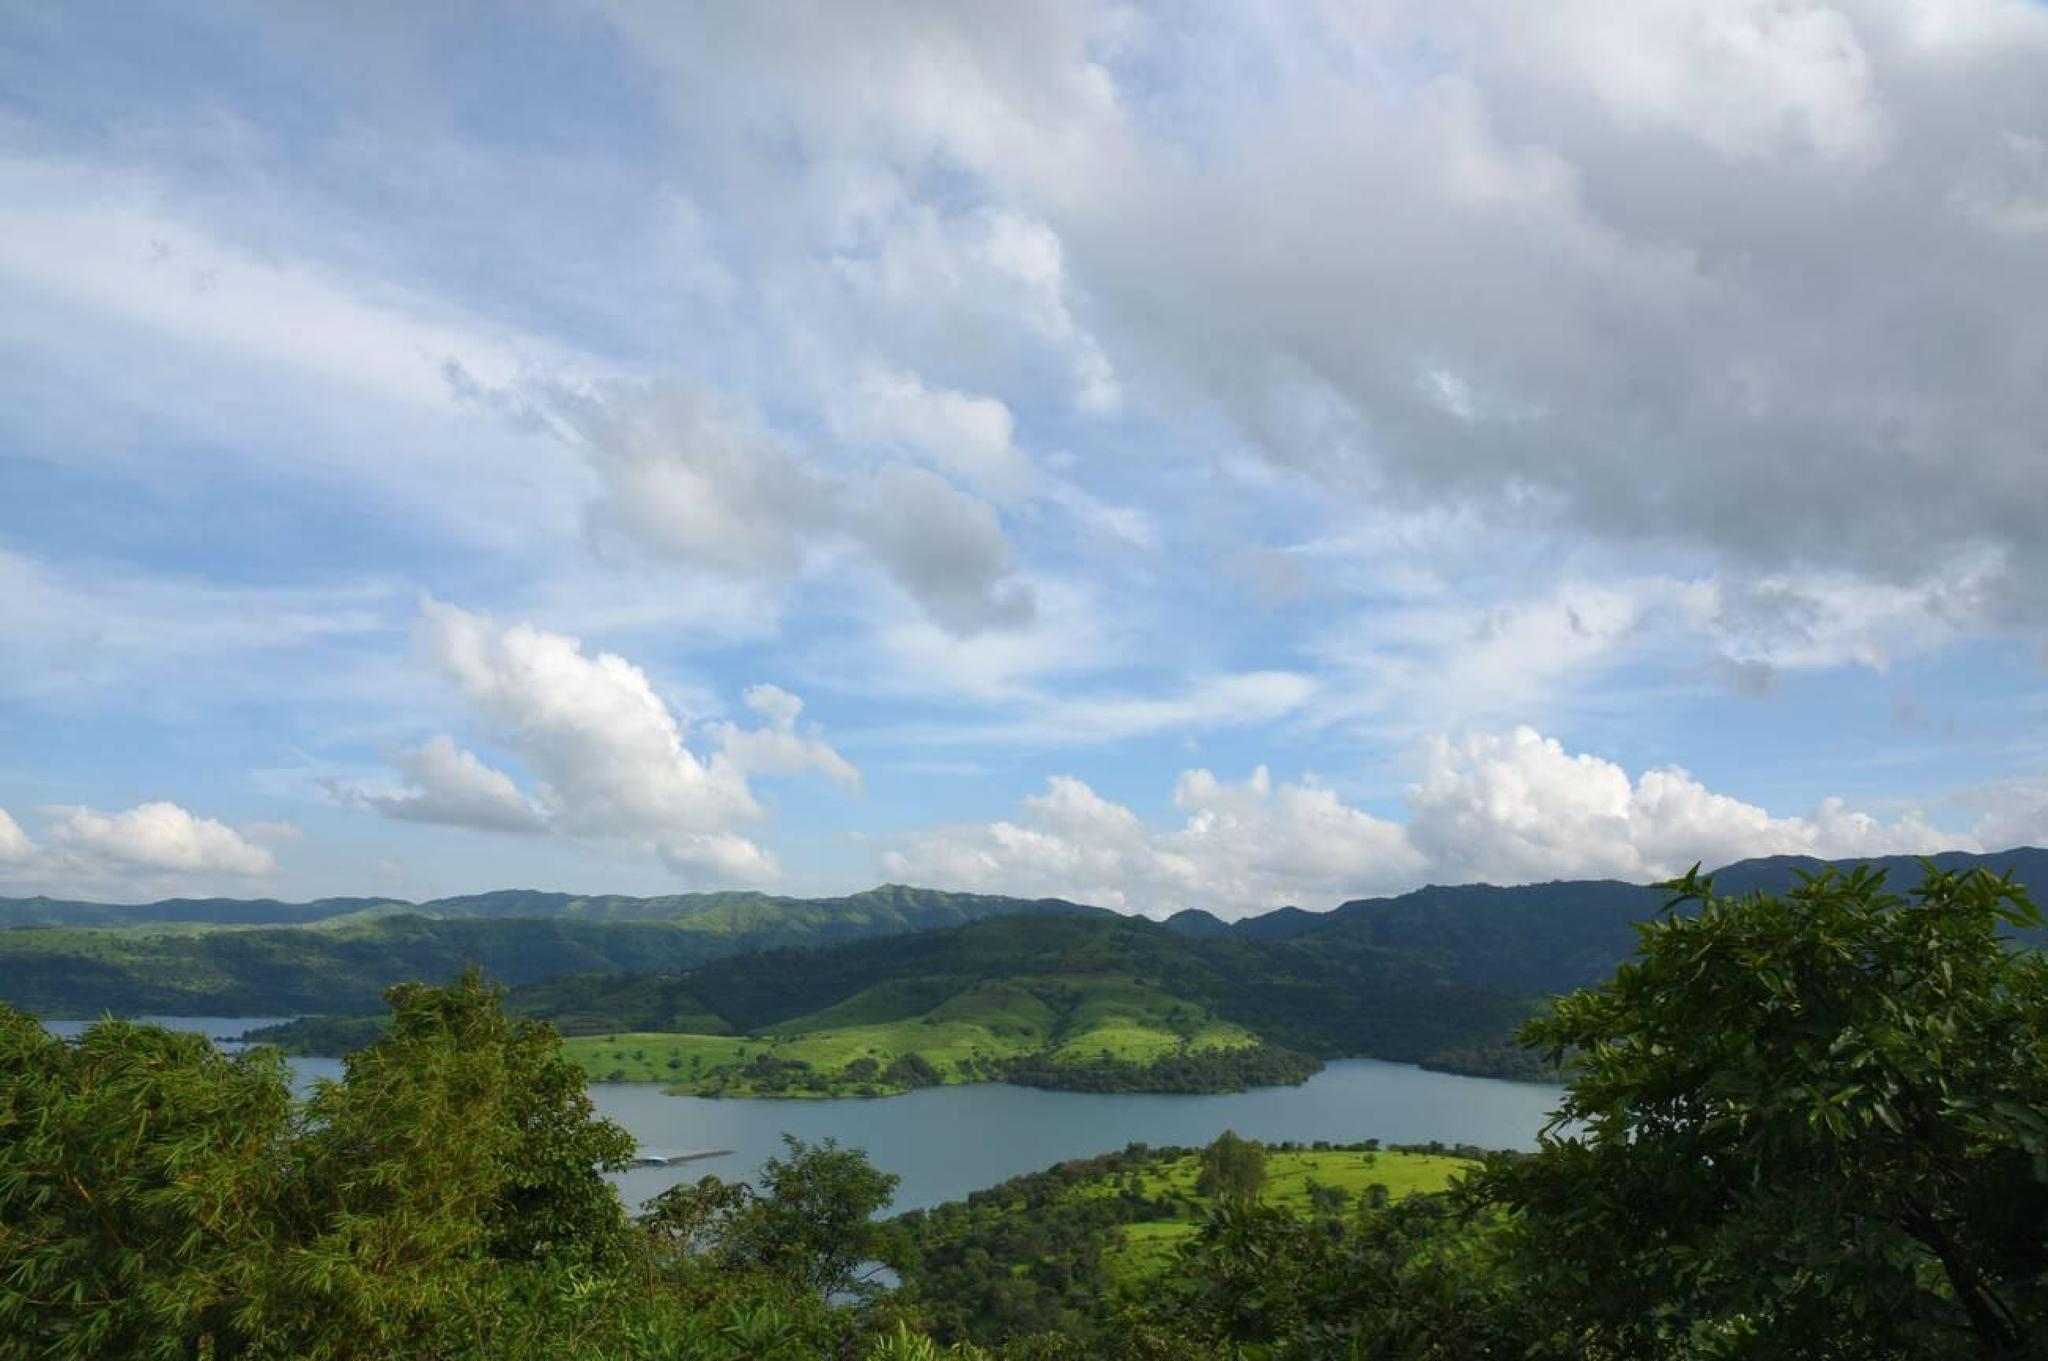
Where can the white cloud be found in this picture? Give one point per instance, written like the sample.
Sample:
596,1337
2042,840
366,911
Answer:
1483,650
2011,812
155,837
702,483
1242,848
1505,809
1516,807
607,753
1406,665
778,748
451,786
609,758
1041,717
719,858
971,437
15,847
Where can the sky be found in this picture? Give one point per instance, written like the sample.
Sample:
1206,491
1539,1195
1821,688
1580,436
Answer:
1187,456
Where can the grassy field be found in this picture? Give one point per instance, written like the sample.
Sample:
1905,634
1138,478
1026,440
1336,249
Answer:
963,1029
1147,1248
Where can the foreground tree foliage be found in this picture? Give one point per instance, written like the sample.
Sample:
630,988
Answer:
1813,1126
445,1199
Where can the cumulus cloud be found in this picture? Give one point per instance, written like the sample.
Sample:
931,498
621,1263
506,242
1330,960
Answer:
608,754
779,748
451,786
15,847
1508,808
155,837
1517,807
610,759
1240,848
154,848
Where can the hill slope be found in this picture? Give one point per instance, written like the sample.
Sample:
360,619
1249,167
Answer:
344,962
1099,1002
1548,938
736,911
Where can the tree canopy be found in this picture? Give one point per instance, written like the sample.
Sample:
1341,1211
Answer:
1812,1125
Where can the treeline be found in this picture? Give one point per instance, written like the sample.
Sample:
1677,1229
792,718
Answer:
1503,1058
1801,1127
1190,1071
1219,1069
772,1075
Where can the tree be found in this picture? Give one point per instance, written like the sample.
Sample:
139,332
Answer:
1808,1126
1233,1170
1326,1200
811,1224
1419,1280
140,1173
446,1198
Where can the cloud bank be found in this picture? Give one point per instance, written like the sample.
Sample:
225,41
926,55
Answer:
152,847
1510,808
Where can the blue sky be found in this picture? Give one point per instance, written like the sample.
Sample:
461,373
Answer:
1203,456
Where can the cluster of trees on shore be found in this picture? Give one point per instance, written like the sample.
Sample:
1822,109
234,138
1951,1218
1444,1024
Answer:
1223,1068
1811,1126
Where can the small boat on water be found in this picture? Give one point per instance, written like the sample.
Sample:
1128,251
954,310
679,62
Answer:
677,1159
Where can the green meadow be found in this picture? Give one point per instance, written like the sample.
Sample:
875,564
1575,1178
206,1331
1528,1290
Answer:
1147,1248
966,1035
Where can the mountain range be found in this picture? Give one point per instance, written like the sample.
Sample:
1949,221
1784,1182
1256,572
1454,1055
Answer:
748,991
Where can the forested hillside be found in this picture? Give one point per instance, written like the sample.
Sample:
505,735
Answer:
1100,1002
192,965
1549,938
732,912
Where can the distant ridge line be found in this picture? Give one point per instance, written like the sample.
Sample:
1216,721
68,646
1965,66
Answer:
1773,873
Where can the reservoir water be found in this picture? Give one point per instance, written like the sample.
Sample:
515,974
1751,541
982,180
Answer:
946,1141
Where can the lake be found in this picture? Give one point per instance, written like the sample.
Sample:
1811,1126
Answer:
946,1141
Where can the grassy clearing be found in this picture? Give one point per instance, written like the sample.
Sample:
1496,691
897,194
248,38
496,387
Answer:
657,1057
1146,1249
964,1029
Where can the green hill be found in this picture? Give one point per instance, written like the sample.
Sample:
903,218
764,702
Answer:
779,994
344,961
1079,1001
732,911
1541,939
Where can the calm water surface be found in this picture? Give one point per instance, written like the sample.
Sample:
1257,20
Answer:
946,1141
